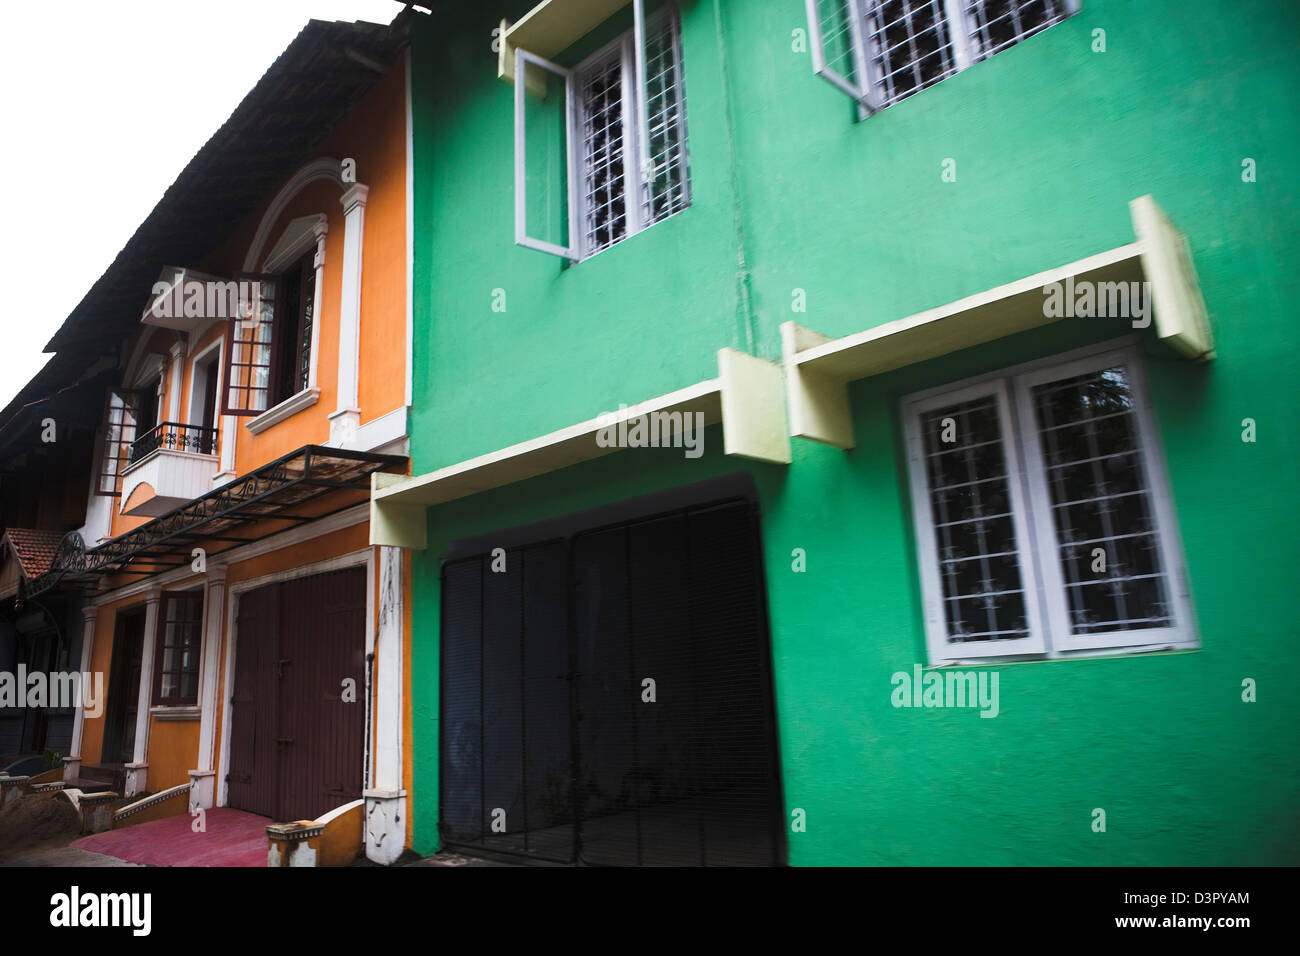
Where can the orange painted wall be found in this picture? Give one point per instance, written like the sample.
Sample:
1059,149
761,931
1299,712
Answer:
101,661
382,167
373,133
173,752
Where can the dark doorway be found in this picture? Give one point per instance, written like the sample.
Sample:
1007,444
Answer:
206,371
606,693
123,687
298,709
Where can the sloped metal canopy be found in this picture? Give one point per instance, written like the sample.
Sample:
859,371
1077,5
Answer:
305,485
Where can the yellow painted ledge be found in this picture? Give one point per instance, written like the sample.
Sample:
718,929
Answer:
746,398
818,369
551,27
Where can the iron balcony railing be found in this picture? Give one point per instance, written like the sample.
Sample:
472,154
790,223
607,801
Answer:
198,439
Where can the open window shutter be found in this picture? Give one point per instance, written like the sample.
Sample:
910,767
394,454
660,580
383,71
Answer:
116,435
250,352
835,39
545,217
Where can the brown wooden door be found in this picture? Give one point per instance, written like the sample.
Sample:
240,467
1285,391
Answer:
322,725
253,704
298,709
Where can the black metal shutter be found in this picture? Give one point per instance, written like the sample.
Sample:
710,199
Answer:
548,660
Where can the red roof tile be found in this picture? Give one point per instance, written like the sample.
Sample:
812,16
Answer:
35,549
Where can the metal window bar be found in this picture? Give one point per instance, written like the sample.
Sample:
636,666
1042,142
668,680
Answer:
910,43
631,129
903,46
1005,619
1079,399
665,183
994,25
601,128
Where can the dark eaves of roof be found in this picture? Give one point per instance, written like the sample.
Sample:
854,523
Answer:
291,109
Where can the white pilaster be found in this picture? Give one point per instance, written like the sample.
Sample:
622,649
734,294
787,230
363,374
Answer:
137,769
203,779
346,418
174,383
72,764
318,263
386,801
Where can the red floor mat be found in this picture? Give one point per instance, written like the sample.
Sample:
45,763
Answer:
231,838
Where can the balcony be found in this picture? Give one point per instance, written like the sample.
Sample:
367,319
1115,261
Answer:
175,436
168,466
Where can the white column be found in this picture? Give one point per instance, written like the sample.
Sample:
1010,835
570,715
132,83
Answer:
226,433
346,419
137,770
176,379
386,800
72,763
203,779
318,299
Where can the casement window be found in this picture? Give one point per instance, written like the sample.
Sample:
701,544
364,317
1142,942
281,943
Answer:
294,354
176,653
600,149
880,51
116,433
1043,520
268,354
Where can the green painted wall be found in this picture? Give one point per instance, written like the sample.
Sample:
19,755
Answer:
1051,140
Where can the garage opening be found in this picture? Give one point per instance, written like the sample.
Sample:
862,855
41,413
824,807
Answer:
297,723
606,691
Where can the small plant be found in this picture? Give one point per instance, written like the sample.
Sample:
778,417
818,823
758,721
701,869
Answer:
52,759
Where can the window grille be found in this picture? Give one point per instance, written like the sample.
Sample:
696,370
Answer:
625,148
1042,520
881,51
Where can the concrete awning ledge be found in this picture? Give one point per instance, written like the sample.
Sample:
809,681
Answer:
746,398
818,369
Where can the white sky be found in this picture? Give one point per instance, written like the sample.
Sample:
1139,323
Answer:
103,105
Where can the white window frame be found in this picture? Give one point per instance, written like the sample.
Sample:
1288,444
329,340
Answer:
196,396
1046,604
1161,502
635,134
867,92
936,632
522,59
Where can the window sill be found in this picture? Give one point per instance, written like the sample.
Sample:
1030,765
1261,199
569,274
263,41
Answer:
175,713
1096,653
290,406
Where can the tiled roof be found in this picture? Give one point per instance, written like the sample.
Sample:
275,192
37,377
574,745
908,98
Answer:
35,549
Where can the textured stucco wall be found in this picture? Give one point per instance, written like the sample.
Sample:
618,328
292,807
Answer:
1051,140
